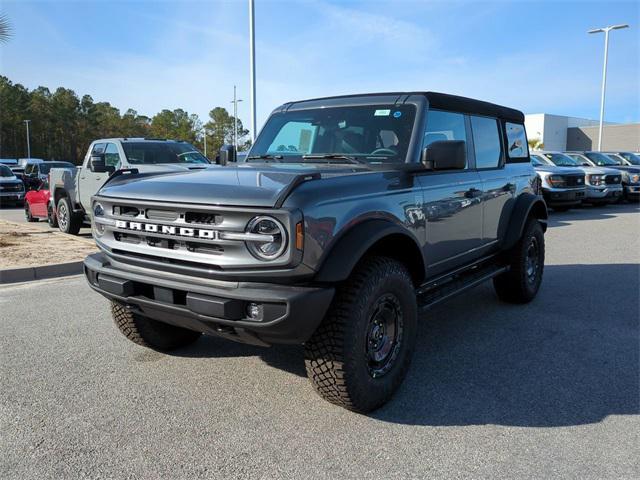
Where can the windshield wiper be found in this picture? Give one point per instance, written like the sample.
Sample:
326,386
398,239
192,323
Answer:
265,156
335,156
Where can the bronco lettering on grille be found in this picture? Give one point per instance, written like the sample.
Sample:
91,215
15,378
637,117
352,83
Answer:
167,229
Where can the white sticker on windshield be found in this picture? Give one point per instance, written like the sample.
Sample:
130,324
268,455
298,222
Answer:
382,113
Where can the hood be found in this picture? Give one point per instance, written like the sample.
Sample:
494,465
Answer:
594,170
11,179
559,170
628,168
243,185
169,167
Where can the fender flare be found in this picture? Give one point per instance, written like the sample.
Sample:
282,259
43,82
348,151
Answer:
526,205
342,257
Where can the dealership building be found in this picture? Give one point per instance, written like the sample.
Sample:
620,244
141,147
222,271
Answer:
557,132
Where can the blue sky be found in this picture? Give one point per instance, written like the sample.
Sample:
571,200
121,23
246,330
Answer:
535,56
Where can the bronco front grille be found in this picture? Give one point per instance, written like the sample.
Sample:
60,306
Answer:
215,236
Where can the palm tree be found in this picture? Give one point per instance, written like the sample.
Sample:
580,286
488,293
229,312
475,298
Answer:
5,29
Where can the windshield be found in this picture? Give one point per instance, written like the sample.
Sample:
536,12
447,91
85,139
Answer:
367,134
561,160
580,160
5,171
632,158
45,167
600,159
538,161
162,152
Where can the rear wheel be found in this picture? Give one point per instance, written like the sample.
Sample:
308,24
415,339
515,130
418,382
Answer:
52,220
526,260
68,221
27,213
151,333
361,352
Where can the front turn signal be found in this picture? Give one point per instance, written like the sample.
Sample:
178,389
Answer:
299,236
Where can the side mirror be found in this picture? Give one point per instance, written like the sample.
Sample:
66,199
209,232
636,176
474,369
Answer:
97,164
227,154
445,155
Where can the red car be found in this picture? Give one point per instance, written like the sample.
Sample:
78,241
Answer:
37,205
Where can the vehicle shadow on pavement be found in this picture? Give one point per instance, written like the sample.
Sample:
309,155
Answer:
571,357
591,212
283,357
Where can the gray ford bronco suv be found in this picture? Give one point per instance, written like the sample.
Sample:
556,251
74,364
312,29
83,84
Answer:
348,218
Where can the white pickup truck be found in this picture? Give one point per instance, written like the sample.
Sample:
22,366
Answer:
71,190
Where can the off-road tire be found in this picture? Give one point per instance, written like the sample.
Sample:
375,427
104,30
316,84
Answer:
52,219
68,221
336,355
518,285
151,333
27,214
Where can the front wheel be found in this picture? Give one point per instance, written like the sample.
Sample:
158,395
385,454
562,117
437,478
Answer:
360,353
526,265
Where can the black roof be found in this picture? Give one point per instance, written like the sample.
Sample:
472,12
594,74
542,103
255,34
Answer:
436,100
470,105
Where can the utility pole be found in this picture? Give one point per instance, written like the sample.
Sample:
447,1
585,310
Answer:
204,130
606,31
28,140
252,61
235,118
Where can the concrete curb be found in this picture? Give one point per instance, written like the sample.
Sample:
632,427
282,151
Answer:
28,274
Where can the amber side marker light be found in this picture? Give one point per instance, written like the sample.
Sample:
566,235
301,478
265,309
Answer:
299,236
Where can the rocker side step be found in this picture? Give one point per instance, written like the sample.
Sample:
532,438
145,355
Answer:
448,287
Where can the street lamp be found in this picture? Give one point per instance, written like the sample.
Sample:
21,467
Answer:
252,63
26,122
606,31
235,118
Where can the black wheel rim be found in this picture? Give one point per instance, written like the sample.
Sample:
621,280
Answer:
62,216
533,260
384,335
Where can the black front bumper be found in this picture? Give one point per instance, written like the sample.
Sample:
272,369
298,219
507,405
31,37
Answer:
563,197
289,314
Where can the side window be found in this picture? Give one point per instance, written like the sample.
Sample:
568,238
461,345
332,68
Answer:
98,149
444,126
111,155
517,141
486,142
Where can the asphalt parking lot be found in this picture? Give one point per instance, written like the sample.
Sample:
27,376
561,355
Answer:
550,389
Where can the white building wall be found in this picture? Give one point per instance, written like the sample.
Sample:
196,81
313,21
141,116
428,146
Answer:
551,130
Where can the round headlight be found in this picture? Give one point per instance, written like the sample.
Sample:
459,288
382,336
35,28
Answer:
98,210
635,178
275,238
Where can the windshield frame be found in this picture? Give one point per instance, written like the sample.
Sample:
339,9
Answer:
411,157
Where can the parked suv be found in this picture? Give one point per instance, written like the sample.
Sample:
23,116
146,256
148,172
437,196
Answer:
604,185
37,172
562,187
348,218
11,187
71,190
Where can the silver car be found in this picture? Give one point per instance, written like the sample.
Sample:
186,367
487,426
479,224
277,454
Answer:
604,185
562,187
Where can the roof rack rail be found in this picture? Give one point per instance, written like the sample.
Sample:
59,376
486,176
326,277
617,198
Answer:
155,138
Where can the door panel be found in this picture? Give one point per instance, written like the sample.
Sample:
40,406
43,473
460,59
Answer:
89,182
498,192
453,213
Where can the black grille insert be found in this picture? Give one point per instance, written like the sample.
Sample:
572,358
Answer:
201,217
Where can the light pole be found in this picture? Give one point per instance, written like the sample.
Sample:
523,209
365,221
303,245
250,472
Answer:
204,131
235,118
606,31
26,122
252,61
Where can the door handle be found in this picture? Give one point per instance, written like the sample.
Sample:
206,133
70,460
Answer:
472,193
